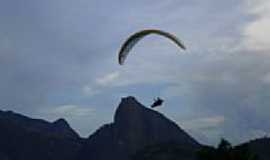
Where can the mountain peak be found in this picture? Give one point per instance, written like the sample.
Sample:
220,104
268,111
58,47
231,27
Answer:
129,98
130,101
62,126
134,119
135,127
128,107
61,122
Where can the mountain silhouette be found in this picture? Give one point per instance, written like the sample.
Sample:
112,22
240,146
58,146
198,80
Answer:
58,128
136,133
134,128
23,138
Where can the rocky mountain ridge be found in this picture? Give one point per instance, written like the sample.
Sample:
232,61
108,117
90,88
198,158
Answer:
136,132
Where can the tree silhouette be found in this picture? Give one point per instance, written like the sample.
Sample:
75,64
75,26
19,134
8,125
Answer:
225,151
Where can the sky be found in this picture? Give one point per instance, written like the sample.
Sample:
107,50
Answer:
58,58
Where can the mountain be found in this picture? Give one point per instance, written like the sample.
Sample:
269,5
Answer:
58,128
24,138
135,127
136,133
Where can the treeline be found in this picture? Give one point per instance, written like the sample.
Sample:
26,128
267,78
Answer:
225,151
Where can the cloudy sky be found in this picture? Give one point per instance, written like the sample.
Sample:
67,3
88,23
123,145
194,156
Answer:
58,58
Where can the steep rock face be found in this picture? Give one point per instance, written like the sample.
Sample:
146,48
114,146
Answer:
137,126
134,128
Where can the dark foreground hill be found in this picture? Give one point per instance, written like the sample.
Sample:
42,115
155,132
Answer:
260,147
137,133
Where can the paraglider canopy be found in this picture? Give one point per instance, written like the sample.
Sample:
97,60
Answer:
158,102
135,38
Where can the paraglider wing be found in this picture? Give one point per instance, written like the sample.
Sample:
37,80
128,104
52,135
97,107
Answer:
135,38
